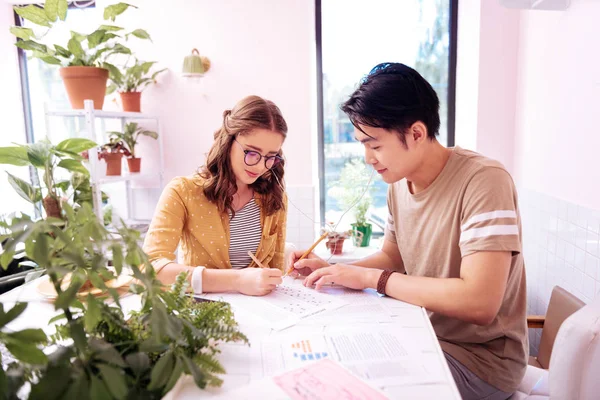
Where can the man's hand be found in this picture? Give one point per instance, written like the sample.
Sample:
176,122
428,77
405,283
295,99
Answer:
258,281
305,266
349,276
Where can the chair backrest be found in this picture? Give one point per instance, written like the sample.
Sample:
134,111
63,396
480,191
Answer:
575,365
562,305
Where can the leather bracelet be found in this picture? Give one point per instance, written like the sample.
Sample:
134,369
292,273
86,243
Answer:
383,278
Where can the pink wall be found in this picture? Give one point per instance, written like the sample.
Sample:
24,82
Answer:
487,78
262,47
557,137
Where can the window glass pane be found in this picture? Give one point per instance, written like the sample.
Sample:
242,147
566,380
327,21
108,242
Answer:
356,36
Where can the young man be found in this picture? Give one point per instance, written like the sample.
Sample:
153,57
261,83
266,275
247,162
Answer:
453,237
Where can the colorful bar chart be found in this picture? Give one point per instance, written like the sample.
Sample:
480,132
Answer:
302,351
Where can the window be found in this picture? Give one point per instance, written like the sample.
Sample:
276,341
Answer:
43,84
352,37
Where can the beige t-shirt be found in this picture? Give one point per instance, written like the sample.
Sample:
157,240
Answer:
471,206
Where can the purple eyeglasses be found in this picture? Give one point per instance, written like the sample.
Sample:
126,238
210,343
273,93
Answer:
252,157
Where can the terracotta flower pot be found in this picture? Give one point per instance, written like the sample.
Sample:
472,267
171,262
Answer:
113,164
335,246
131,101
134,164
85,83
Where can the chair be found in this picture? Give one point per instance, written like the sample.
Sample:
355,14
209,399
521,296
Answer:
574,368
562,305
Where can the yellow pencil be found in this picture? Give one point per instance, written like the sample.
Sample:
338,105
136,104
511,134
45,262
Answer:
307,252
255,259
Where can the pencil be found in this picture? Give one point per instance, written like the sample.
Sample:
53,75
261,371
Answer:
255,259
307,252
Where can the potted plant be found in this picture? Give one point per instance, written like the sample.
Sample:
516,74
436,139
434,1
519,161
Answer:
84,58
112,153
129,137
354,178
96,351
48,158
132,82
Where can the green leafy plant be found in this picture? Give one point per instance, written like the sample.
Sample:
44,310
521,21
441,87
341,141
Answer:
354,178
92,50
134,78
97,352
48,158
131,135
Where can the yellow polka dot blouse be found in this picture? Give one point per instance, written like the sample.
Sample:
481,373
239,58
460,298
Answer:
185,217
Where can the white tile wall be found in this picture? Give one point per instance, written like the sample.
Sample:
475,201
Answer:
561,246
302,222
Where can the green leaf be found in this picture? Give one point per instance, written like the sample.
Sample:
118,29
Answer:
64,299
76,145
112,11
138,362
175,375
74,166
117,258
118,385
47,59
6,258
62,52
22,33
199,376
110,28
51,9
110,89
57,318
13,313
140,33
29,335
120,49
39,153
151,134
160,372
106,352
32,45
41,251
79,388
26,352
52,384
3,383
25,189
63,5
80,37
95,38
114,72
92,314
34,14
154,75
78,335
75,47
14,156
98,390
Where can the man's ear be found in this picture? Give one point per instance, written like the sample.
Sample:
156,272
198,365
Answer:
418,132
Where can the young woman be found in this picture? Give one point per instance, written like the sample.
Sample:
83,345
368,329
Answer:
233,205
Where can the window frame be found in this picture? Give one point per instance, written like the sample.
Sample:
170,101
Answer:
451,99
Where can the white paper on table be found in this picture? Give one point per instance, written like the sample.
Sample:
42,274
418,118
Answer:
285,306
375,353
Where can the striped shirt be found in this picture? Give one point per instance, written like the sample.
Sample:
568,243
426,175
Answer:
245,232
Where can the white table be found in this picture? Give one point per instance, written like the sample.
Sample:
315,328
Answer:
246,363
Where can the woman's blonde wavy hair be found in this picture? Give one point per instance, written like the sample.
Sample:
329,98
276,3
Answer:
252,112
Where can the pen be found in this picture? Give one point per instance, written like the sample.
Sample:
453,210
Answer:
307,252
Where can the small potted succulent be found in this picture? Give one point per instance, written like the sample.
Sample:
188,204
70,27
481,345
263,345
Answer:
131,82
128,139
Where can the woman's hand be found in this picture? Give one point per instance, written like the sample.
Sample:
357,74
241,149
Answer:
258,281
350,276
305,266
